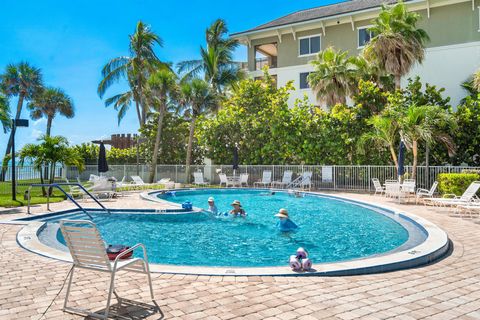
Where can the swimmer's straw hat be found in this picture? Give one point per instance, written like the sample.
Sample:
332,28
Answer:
282,213
236,202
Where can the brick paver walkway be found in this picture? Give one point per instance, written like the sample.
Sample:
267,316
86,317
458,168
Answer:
448,289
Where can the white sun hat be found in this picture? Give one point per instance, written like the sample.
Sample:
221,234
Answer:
282,213
211,199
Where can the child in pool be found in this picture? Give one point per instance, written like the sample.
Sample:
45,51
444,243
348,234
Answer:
237,210
285,224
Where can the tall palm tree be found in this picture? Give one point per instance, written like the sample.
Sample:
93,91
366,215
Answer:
216,63
425,123
384,134
135,68
198,98
335,76
4,113
50,102
161,86
23,81
397,43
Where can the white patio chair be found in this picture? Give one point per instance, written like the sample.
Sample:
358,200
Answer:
424,193
88,251
391,187
286,179
198,179
306,180
223,179
378,186
266,179
243,179
465,199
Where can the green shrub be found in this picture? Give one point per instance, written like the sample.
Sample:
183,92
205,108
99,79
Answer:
455,183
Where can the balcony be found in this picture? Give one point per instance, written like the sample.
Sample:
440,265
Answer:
266,55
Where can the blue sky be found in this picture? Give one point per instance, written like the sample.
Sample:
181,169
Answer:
71,41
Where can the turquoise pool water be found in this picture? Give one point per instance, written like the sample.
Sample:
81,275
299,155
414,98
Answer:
331,230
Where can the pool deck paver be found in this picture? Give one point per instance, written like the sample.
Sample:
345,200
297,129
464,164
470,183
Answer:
447,289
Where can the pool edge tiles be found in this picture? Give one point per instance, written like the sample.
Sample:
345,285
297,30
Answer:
435,246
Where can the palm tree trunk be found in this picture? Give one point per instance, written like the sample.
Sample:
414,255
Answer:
138,113
52,177
21,97
42,181
49,125
398,79
153,165
415,158
394,155
189,148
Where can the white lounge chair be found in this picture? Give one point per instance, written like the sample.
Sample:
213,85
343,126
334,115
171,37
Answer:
378,186
243,179
266,179
424,193
167,183
466,198
306,180
286,179
138,183
88,251
198,179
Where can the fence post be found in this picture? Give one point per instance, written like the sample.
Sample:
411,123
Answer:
334,177
369,179
124,170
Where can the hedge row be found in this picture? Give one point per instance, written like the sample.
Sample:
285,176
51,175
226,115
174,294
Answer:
455,183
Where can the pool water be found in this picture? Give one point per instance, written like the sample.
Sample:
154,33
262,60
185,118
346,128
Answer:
330,230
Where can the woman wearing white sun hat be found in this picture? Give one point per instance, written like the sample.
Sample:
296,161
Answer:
285,224
212,208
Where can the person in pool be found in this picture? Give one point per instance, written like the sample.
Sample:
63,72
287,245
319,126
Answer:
237,210
212,208
285,224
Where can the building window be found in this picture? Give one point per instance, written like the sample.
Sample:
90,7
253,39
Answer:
304,80
364,36
309,45
266,55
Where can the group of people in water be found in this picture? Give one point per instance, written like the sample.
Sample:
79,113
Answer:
284,223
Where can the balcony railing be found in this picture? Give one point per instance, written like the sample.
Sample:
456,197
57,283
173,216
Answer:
271,62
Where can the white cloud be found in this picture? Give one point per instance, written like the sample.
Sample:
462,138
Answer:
35,133
41,121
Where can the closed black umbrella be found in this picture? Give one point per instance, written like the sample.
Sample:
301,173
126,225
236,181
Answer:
102,159
235,159
401,159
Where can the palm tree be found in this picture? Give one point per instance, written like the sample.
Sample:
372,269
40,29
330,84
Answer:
198,98
23,81
425,123
50,152
135,68
50,102
4,113
384,134
476,80
160,86
335,76
216,63
398,44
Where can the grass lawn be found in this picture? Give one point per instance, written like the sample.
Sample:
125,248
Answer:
22,186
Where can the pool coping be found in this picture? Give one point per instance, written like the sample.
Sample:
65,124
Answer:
435,246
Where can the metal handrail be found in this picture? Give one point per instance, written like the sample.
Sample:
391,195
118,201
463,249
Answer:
295,182
58,186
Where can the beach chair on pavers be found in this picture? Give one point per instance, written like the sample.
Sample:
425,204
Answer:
88,251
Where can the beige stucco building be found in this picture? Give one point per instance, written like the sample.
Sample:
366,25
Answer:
288,44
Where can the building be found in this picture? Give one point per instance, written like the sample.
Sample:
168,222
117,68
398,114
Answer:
287,44
120,141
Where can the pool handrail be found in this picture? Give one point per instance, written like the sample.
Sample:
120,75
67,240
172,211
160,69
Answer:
58,186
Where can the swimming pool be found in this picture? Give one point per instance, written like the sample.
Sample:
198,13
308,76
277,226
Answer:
332,230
